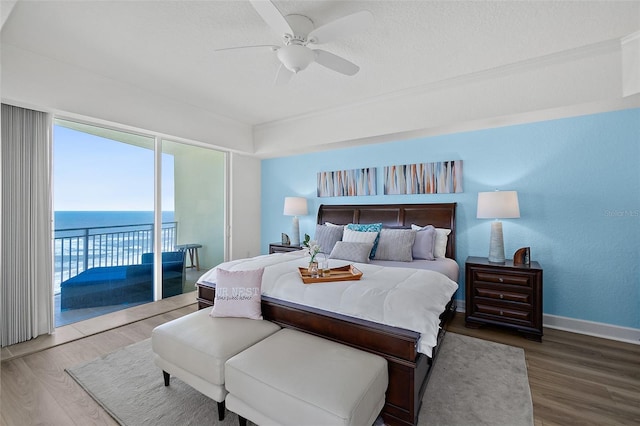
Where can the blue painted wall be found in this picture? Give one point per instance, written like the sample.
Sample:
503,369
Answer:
578,182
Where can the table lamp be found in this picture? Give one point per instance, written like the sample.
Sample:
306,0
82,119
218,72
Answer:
497,205
295,206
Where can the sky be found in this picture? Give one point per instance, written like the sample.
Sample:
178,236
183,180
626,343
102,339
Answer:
94,173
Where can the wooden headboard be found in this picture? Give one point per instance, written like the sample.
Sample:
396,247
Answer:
442,215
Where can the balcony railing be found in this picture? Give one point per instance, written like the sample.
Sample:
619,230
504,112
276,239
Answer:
78,249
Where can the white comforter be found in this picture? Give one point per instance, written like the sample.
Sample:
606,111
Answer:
401,297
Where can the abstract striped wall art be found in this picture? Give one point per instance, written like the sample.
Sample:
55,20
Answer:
345,183
423,178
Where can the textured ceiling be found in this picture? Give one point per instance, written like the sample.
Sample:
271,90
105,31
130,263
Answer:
167,47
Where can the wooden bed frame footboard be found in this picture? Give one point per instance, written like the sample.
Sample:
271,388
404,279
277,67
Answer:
408,370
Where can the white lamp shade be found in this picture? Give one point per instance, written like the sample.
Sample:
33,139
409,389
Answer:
498,205
295,206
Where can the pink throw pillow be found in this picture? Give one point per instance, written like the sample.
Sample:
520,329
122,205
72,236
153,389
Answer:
238,294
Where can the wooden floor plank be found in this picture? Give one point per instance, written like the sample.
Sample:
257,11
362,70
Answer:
25,401
574,379
37,390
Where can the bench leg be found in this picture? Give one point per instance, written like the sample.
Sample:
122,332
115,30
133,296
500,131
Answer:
166,377
242,421
221,409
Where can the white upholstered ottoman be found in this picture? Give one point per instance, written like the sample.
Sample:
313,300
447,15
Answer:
195,347
298,379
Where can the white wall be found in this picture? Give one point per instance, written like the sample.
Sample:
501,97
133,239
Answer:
588,75
245,204
31,80
631,64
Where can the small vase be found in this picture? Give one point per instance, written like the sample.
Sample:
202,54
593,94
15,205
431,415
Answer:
313,269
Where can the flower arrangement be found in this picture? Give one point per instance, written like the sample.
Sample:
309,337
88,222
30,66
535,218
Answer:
312,247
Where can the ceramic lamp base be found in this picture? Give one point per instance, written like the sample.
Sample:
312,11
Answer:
295,232
496,245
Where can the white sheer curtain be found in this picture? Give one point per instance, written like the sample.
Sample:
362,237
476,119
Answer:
26,272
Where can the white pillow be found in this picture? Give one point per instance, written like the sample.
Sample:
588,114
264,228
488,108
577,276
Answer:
351,236
334,225
238,294
442,237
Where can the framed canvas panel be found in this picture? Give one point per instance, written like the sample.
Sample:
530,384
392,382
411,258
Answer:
423,178
343,183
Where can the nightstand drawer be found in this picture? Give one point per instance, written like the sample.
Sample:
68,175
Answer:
499,294
502,313
490,277
504,295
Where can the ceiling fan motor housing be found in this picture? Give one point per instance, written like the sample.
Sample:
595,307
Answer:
295,57
298,31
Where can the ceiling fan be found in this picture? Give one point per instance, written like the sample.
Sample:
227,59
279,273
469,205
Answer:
299,33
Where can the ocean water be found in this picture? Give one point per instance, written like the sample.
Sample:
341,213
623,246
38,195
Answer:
86,239
92,219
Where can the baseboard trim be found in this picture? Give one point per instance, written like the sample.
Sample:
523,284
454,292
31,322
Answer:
592,328
589,328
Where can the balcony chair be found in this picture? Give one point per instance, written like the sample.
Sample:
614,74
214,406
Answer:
117,285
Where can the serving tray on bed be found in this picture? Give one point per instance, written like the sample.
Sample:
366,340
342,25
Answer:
343,273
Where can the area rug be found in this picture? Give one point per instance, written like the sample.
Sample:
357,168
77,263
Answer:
474,382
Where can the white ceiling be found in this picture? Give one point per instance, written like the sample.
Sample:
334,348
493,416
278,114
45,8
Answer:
167,47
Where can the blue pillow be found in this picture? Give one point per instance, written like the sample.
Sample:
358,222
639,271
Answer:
368,227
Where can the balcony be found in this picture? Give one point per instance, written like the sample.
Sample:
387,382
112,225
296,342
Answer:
105,263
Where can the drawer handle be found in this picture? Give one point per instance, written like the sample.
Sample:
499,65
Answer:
501,296
500,279
501,313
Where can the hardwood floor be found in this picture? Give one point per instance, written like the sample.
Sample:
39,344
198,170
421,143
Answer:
574,379
35,389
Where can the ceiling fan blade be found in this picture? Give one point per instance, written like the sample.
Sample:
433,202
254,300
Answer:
283,76
341,27
272,47
335,62
272,16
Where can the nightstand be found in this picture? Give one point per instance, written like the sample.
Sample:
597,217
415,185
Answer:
505,295
281,248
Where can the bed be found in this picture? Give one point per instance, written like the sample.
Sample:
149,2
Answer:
408,367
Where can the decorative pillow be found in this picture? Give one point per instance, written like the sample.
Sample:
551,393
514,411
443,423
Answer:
327,236
396,244
334,225
442,237
425,243
360,237
367,227
354,252
238,294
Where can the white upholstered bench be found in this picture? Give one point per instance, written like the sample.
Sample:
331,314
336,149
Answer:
299,379
195,347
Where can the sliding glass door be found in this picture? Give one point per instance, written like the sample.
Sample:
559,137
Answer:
103,220
198,176
104,195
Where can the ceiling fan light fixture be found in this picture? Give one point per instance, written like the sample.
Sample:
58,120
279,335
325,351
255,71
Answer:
296,57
